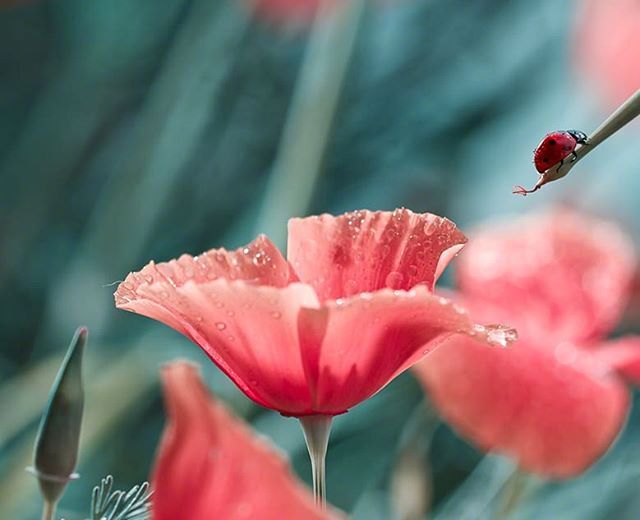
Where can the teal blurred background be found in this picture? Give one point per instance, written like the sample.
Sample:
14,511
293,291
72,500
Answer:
133,130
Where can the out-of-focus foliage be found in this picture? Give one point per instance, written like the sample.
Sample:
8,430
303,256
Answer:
134,130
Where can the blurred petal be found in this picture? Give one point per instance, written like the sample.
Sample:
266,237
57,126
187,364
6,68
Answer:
622,355
607,47
353,348
556,276
210,465
287,10
249,331
555,412
365,251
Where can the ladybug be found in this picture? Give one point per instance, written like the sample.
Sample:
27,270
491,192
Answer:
556,147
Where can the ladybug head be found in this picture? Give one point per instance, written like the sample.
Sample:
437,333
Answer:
580,137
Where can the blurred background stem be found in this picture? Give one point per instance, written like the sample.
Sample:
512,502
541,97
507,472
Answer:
308,125
48,510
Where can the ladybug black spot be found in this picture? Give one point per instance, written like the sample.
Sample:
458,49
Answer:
545,159
552,142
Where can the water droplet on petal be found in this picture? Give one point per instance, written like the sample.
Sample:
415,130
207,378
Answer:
199,319
231,314
219,305
412,270
246,251
566,353
431,225
394,280
221,325
149,278
498,335
276,315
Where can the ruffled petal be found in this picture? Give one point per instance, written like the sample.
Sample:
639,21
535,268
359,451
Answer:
555,412
364,251
556,276
259,262
248,330
623,356
352,348
210,465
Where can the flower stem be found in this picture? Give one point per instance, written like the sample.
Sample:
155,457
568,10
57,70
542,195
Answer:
316,429
49,510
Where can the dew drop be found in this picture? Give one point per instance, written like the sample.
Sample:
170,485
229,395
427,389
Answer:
498,335
219,305
199,319
164,294
231,338
394,280
221,325
412,270
149,278
276,315
231,314
246,251
390,234
431,225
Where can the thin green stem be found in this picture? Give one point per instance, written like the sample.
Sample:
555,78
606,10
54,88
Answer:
316,429
49,510
309,122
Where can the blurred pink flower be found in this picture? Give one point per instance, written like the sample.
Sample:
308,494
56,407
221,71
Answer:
607,46
557,400
306,336
287,10
210,465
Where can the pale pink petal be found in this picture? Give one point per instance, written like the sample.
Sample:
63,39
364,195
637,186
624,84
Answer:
623,356
365,251
210,465
607,47
554,411
249,331
352,348
556,276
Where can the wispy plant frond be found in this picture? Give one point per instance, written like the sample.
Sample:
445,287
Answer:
107,504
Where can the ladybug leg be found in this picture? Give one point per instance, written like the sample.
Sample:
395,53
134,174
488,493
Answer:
519,190
574,156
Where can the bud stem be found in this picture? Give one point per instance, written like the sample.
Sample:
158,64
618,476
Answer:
49,510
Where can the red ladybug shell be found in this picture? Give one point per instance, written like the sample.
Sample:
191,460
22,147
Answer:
552,149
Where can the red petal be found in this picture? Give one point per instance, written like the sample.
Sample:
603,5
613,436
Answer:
556,276
365,251
555,412
249,331
353,348
210,465
623,355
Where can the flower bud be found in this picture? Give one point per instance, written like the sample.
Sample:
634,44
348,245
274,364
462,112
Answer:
56,448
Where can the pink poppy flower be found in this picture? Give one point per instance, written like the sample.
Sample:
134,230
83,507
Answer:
287,10
557,401
210,464
607,47
317,334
